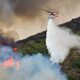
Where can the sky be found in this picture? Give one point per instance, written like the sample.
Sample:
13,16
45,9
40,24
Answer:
20,19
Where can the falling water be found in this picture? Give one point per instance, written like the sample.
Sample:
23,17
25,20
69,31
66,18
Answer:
59,41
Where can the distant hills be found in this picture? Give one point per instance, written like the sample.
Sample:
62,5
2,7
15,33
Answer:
74,25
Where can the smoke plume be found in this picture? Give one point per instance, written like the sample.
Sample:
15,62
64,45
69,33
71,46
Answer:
23,16
28,8
8,57
6,12
59,41
36,67
31,9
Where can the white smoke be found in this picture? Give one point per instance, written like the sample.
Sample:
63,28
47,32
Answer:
59,41
36,67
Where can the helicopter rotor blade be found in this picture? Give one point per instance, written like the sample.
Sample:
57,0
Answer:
47,11
55,13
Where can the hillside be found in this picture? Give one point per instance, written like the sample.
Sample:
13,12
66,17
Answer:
36,44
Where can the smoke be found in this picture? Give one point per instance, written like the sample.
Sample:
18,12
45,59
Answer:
59,41
11,9
6,52
6,12
7,19
36,67
9,62
15,16
22,16
28,8
32,9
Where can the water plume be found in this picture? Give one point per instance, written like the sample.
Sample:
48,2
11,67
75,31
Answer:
59,41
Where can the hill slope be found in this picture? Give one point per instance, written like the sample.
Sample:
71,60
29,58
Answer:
36,44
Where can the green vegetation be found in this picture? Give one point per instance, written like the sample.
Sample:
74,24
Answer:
78,33
31,47
72,65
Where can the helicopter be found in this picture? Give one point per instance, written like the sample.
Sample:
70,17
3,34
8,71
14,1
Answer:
53,13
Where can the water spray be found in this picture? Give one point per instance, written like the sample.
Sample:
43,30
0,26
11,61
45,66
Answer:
59,40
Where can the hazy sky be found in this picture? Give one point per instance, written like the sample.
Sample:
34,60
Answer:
22,18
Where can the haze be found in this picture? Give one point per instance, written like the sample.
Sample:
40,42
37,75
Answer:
22,18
